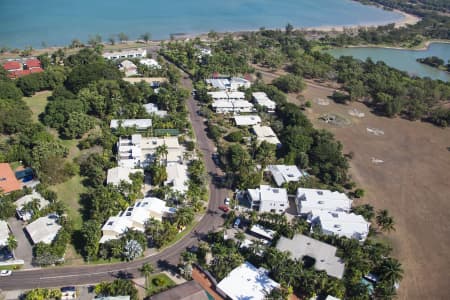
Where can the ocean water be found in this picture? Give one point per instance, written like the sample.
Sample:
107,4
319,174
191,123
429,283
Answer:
404,60
57,22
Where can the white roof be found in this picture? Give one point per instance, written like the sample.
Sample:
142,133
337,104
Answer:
43,229
125,53
28,198
268,193
4,233
220,95
284,173
177,176
139,123
236,95
262,99
241,104
152,108
126,64
345,224
331,298
247,282
118,174
247,120
219,83
222,104
150,62
262,231
308,200
324,254
265,133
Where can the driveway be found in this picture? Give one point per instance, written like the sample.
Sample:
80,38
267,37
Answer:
24,249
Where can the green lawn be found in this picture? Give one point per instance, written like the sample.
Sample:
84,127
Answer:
69,193
37,103
155,287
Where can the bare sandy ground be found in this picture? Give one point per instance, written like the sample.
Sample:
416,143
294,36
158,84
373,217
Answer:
413,183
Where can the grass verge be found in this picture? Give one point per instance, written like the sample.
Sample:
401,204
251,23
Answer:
158,283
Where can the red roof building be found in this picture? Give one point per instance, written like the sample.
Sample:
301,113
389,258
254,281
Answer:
36,70
33,63
8,181
12,66
20,73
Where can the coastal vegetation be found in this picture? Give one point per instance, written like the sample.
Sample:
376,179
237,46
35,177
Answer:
435,62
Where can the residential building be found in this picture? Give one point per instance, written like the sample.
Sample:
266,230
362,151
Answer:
150,62
113,298
341,224
190,290
140,124
152,108
331,298
8,181
117,175
247,282
265,133
308,200
27,215
228,83
12,66
136,53
261,231
323,253
177,177
4,233
247,120
135,217
223,106
282,173
154,82
128,67
222,95
33,64
268,199
44,229
261,99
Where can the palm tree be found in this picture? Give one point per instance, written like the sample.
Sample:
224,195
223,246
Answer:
184,216
146,270
385,221
12,243
391,270
240,237
161,152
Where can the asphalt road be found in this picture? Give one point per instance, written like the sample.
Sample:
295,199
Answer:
90,274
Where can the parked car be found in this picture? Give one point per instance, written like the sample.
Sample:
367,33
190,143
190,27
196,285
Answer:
4,273
227,201
237,223
224,208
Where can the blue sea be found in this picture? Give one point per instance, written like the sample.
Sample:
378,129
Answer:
58,22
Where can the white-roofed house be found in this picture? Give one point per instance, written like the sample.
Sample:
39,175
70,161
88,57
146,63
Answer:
135,217
268,199
263,232
263,100
228,84
134,53
265,133
44,229
150,62
222,106
247,282
119,174
152,108
308,200
236,95
4,233
283,173
128,67
247,120
26,215
341,224
140,124
242,106
238,82
177,177
323,253
219,95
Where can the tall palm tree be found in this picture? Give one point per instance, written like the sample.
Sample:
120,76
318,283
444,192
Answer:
146,37
391,270
162,152
12,243
240,236
146,270
184,216
385,221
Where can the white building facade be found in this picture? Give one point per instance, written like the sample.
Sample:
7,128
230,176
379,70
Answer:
268,199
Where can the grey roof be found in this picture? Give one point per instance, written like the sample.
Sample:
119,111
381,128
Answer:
324,254
190,290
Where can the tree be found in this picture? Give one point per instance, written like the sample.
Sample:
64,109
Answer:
265,154
366,210
95,40
161,152
132,250
112,40
12,242
146,270
118,287
77,124
122,37
289,83
184,216
391,270
239,236
8,90
385,221
146,37
91,233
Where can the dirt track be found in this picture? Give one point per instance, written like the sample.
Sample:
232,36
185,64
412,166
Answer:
413,183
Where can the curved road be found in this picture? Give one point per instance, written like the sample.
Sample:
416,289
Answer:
89,274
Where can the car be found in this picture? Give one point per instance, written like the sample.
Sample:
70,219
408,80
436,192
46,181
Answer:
227,201
4,273
237,223
224,208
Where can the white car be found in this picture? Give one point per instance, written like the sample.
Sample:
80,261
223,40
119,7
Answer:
227,201
5,273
